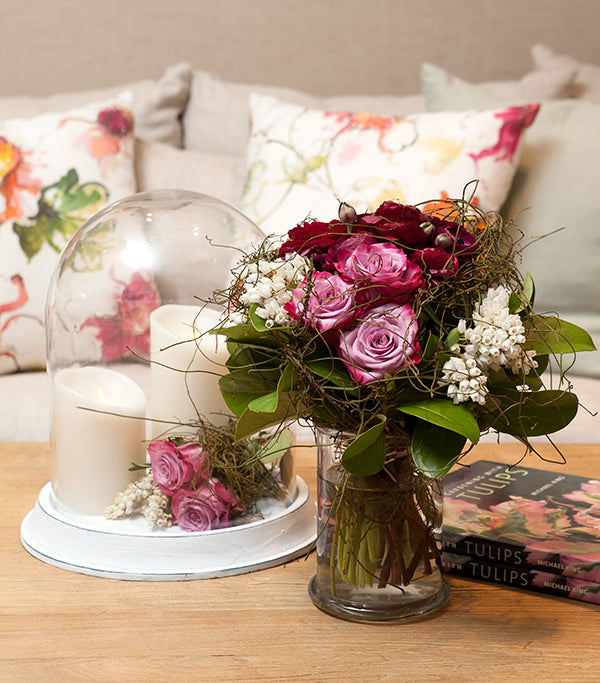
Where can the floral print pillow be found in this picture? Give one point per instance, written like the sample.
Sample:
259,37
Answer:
56,170
304,161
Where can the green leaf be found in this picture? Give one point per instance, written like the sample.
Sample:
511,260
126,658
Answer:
334,372
251,422
247,334
365,455
277,446
435,449
519,302
548,334
444,413
259,324
256,360
453,337
534,413
431,347
240,387
267,403
288,379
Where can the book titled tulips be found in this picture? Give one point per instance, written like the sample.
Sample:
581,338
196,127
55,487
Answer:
409,321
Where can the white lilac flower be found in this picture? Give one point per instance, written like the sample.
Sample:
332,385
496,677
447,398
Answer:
154,508
465,380
496,340
498,336
145,496
269,284
132,498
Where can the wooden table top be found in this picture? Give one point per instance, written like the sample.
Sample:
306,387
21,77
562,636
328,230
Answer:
60,626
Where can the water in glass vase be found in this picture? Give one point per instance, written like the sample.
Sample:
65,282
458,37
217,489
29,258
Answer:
378,541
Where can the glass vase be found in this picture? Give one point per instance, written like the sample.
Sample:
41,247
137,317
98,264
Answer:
378,543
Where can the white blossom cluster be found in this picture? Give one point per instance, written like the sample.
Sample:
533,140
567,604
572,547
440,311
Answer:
143,495
464,379
269,284
496,340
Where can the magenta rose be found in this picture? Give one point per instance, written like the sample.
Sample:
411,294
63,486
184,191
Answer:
174,467
129,329
380,265
380,344
118,122
205,509
329,304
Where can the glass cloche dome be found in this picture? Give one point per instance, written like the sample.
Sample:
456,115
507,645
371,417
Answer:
129,291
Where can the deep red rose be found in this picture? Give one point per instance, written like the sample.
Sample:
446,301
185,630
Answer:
400,223
437,263
454,239
310,237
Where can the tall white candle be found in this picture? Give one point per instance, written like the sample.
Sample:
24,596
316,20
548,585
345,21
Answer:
92,450
186,366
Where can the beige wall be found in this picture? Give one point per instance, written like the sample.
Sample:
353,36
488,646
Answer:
323,46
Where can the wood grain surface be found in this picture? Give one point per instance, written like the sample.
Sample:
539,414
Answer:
60,626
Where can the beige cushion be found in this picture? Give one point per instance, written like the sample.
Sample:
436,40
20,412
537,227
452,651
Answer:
160,166
157,104
305,161
554,187
216,119
586,85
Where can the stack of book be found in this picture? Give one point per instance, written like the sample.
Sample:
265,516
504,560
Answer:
523,527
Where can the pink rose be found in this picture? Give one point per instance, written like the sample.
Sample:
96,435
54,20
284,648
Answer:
174,467
329,305
377,264
205,509
382,343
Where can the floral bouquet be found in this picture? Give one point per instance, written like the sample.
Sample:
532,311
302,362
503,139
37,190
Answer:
402,335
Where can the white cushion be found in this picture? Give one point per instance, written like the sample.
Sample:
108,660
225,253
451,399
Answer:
58,169
305,161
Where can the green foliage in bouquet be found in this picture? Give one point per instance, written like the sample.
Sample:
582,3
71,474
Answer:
411,321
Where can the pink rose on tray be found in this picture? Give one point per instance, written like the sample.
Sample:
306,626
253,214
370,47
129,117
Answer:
329,304
380,265
381,343
176,466
205,509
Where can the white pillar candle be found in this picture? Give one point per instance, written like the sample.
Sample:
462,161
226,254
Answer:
186,364
92,450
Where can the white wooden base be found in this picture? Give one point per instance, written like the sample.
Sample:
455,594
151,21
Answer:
129,548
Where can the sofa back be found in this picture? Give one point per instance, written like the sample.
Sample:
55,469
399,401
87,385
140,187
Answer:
320,46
